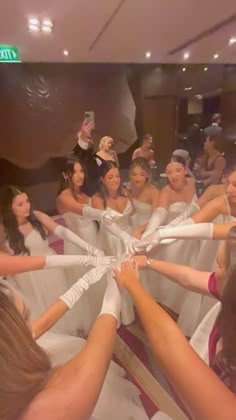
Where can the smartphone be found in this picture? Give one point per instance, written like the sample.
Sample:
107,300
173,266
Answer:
90,116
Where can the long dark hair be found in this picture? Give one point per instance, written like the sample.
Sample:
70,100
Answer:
14,236
177,159
225,361
67,171
102,191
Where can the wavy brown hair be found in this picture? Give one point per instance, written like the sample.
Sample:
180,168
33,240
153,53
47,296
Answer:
24,367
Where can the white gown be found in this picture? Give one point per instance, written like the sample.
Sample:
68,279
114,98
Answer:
114,246
182,252
205,261
42,287
119,398
143,212
90,303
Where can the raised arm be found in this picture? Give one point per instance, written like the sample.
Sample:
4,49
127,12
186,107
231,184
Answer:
210,211
183,367
188,277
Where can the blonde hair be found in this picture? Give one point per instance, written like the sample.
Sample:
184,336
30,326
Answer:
103,140
24,366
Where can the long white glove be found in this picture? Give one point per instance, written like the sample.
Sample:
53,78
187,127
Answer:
53,261
112,298
103,216
192,208
75,292
157,219
129,241
188,231
68,235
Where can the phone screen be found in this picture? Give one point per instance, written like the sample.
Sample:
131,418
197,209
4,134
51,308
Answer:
90,116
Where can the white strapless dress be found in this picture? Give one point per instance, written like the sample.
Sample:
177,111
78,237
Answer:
90,303
182,252
143,212
42,287
114,246
119,398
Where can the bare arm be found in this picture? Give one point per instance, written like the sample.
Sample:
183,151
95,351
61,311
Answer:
188,277
46,221
48,318
82,377
10,265
210,193
178,360
210,210
221,230
97,202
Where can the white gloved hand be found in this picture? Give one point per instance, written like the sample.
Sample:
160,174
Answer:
103,216
112,299
68,235
192,208
75,292
157,219
53,261
128,241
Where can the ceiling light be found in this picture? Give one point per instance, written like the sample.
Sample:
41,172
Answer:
188,88
216,56
205,68
186,55
33,28
232,41
184,69
148,54
46,29
47,22
33,21
65,52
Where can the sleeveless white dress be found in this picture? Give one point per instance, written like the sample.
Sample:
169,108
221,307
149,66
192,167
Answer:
114,246
205,261
90,303
42,287
143,212
119,398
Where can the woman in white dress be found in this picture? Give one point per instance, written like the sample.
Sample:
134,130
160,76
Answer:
175,197
33,386
116,237
25,233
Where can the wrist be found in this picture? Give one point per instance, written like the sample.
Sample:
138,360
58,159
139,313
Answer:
149,262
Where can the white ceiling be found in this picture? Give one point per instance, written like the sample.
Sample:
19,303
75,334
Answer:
120,30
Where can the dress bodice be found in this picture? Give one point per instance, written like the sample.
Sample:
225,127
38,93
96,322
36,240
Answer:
143,212
176,209
124,221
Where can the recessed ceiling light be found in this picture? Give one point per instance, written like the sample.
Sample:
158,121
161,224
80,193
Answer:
186,55
33,21
216,56
188,88
232,41
46,29
66,52
205,68
148,54
47,22
184,69
33,28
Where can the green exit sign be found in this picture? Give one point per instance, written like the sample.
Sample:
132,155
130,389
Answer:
9,54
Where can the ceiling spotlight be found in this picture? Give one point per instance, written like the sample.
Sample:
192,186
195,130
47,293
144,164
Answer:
188,88
232,41
65,52
33,28
184,69
47,22
148,54
186,55
216,56
33,21
46,29
205,68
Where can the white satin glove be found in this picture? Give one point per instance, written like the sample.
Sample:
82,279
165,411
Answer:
112,299
103,216
128,241
67,235
158,217
192,208
53,261
75,292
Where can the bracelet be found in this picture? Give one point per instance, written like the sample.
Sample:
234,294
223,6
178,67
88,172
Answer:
148,263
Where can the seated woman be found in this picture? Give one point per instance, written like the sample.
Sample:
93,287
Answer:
25,233
30,388
105,150
183,367
212,165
